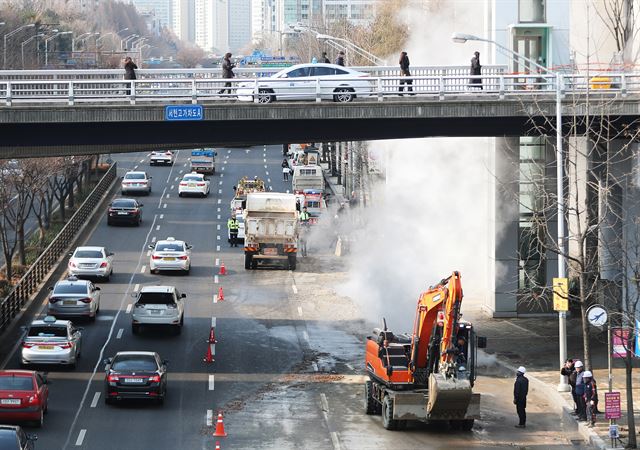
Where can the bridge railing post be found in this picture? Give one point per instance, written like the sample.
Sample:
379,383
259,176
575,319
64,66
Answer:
132,96
9,93
441,87
318,91
70,95
256,99
194,92
501,87
623,85
379,88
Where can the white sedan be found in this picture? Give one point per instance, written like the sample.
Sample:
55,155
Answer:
170,254
299,82
91,262
193,184
161,157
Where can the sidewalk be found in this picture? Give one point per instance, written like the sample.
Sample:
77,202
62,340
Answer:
533,343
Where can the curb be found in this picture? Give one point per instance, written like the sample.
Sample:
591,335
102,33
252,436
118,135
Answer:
562,407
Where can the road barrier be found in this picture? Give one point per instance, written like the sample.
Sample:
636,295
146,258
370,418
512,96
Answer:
29,283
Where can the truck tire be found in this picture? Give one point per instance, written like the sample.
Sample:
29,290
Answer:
247,261
371,406
292,261
387,414
467,424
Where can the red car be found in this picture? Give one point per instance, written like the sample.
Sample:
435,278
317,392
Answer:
24,396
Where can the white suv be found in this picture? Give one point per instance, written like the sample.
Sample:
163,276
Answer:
158,306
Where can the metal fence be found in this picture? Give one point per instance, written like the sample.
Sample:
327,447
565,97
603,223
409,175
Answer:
28,284
380,88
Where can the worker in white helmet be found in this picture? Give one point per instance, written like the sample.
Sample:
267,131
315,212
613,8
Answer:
520,391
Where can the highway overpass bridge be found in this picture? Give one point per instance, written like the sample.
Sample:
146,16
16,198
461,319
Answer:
65,113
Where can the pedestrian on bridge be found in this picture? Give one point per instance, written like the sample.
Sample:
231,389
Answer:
476,71
227,72
129,72
520,391
404,72
340,58
324,58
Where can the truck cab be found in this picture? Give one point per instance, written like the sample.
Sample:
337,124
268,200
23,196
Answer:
203,161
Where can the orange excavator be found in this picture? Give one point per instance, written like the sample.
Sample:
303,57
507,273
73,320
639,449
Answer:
427,376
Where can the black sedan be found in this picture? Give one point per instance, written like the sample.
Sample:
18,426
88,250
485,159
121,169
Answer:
13,437
125,210
135,375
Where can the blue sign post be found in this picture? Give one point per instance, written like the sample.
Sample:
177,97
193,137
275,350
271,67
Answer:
183,112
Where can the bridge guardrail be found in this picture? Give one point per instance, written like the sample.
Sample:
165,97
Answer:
198,90
27,285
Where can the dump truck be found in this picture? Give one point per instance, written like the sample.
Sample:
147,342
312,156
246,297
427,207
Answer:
426,376
271,230
203,161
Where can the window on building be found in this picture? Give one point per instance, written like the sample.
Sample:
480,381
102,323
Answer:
531,236
531,11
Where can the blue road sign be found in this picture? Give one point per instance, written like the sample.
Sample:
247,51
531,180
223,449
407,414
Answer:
183,112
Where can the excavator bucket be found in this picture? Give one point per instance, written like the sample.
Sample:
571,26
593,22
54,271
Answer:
449,398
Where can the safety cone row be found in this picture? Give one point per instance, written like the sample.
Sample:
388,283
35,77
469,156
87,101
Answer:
223,269
217,445
208,357
220,427
212,336
220,294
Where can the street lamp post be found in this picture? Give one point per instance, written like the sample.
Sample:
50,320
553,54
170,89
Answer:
341,44
46,45
82,37
26,42
124,41
563,386
7,36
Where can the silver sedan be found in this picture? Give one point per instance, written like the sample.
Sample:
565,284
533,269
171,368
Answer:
51,341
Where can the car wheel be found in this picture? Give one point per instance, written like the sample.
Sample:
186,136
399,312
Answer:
186,272
179,194
343,95
177,329
135,328
139,222
265,96
38,423
160,400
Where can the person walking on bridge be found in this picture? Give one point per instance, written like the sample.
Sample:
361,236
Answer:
520,391
476,71
340,59
324,58
129,72
404,72
227,72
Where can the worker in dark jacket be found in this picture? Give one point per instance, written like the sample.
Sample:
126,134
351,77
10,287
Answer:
340,59
569,371
227,72
324,58
476,70
404,71
520,391
590,397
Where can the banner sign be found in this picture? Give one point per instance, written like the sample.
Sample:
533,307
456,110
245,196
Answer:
612,405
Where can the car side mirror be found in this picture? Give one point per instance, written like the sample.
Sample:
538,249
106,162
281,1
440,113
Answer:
32,437
140,205
189,247
482,342
50,288
111,254
71,254
107,361
151,246
183,295
150,177
80,329
165,362
97,288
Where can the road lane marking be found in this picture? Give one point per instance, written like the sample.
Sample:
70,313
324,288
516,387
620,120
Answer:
143,268
148,252
211,382
142,160
215,298
162,196
218,216
158,228
129,308
218,210
300,311
164,206
219,191
217,248
315,366
350,367
220,183
218,259
335,441
172,186
218,237
222,175
295,288
135,167
267,172
268,180
209,417
265,159
180,171
184,165
136,288
96,397
176,179
119,335
162,216
225,161
81,436
265,166
216,280
305,335
100,357
213,322
168,195
219,201
218,226
325,403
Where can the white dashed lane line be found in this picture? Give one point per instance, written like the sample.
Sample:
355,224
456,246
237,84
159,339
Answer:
81,436
142,269
217,248
169,195
142,160
136,288
119,335
218,259
209,417
157,227
267,173
218,227
96,397
216,280
211,382
219,200
129,308
172,186
295,288
162,216
305,335
176,178
219,191
220,183
300,311
164,206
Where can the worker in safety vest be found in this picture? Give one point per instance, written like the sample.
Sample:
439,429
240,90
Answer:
304,215
233,226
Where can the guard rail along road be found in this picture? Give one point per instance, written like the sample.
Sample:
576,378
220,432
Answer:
202,86
27,285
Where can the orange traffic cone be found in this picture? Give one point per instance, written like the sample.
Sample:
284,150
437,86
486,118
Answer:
223,269
220,294
220,427
217,445
208,357
212,336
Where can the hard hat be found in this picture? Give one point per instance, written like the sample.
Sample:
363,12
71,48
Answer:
578,364
587,374
522,369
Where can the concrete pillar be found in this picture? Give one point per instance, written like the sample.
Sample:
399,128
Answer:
506,227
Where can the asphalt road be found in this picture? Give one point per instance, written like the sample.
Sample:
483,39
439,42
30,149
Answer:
288,362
